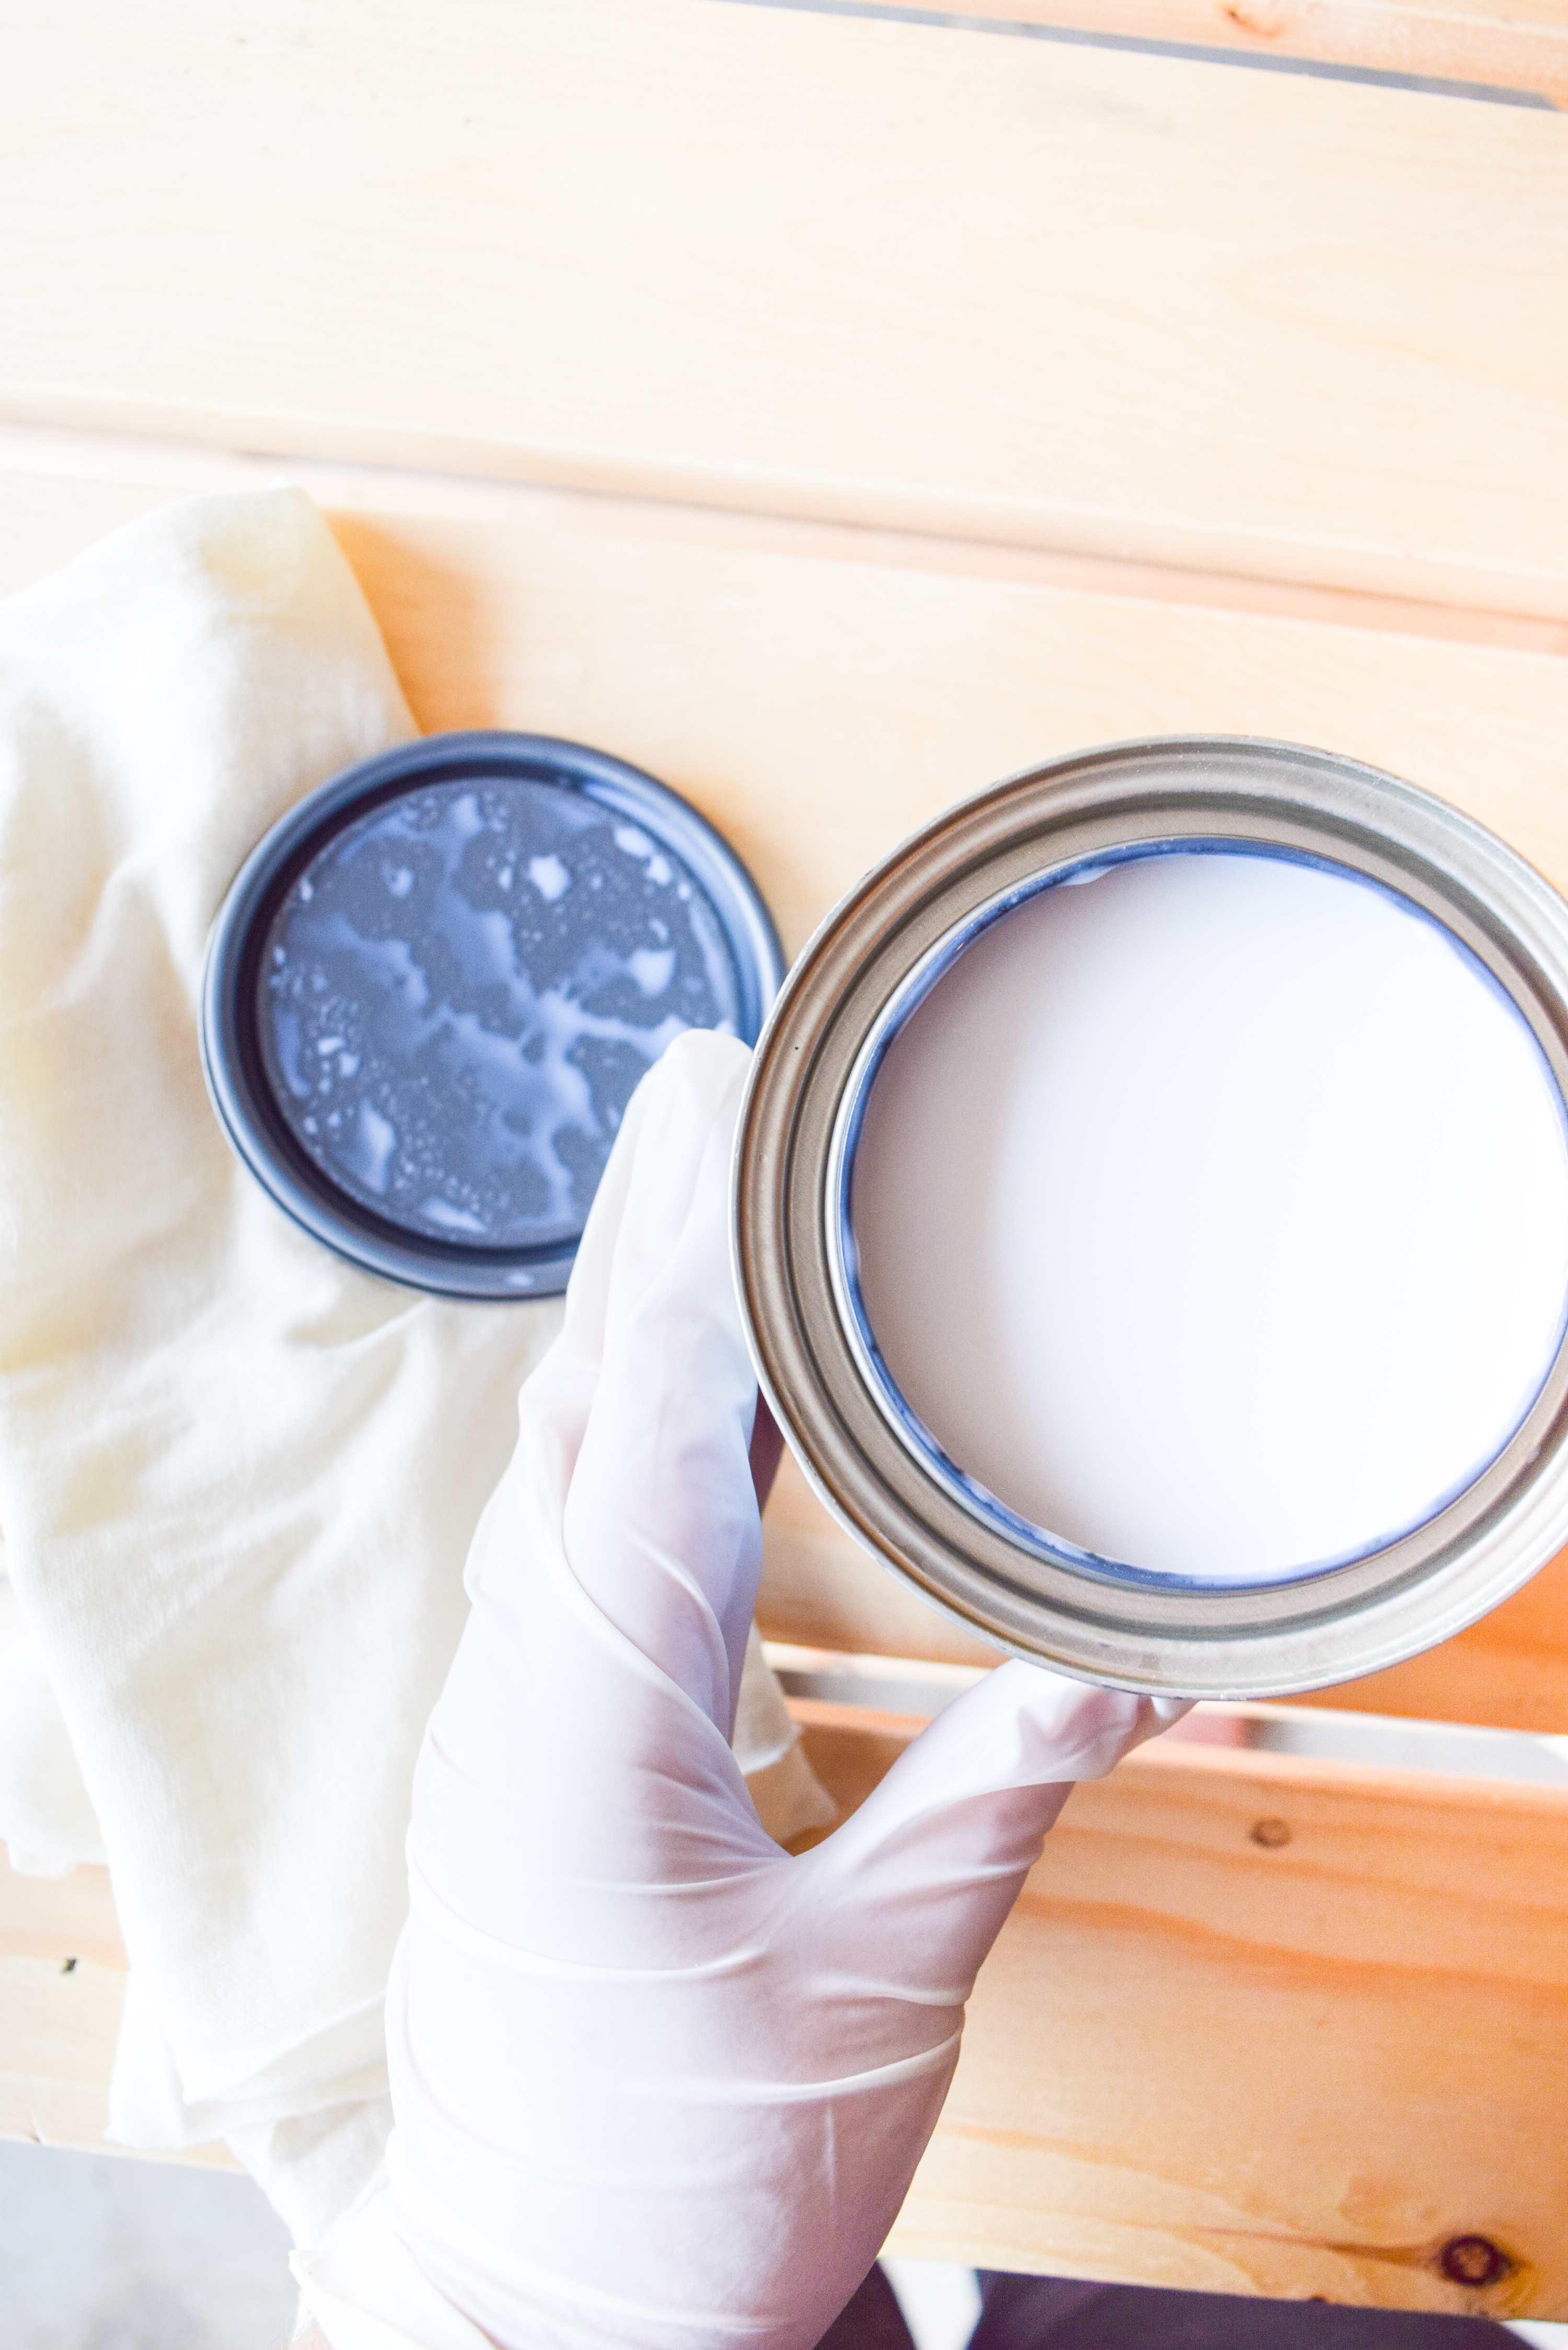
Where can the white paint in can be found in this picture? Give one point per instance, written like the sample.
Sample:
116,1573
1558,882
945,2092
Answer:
1214,1216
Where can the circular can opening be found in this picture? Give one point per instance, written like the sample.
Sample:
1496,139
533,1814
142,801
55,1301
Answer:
435,984
1152,1216
1212,1220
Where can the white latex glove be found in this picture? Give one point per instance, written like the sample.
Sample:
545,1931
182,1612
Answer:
656,2083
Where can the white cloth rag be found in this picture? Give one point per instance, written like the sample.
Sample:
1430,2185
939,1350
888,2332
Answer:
238,1479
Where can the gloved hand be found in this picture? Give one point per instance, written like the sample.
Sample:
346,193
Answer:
656,2083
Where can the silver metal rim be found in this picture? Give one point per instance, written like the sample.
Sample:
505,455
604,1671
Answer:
1331,1627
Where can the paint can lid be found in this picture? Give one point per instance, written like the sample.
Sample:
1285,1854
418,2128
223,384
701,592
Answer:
434,984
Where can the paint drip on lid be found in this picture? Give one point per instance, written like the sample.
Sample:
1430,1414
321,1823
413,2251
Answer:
435,988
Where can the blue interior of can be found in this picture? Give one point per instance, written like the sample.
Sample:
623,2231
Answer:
922,979
436,983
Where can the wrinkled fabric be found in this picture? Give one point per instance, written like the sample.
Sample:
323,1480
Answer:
238,1478
45,1819
654,2080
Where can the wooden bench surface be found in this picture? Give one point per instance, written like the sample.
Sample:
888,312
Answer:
833,409
873,265
1255,2025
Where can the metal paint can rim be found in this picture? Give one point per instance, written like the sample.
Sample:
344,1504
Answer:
1139,798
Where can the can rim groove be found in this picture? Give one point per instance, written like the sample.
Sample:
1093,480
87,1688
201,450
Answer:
1158,794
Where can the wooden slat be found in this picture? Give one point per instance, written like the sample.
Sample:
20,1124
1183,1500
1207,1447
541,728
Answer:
819,711
820,1590
1509,1670
817,707
134,469
1297,2062
62,1988
1521,46
833,265
60,1921
1298,2066
56,2047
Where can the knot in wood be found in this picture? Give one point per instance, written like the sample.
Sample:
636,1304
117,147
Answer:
1473,2260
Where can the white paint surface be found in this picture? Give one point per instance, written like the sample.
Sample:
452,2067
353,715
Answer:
1213,1215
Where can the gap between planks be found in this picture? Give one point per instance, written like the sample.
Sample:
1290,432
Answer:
47,453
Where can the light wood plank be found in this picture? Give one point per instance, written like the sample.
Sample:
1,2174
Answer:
820,1590
59,1922
56,2048
58,2034
1293,2067
1297,2062
875,271
818,709
1509,1671
62,1987
137,469
1521,46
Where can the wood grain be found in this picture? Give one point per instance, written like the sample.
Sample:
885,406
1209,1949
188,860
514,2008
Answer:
60,1920
1299,2066
137,468
818,709
1510,1669
62,1988
56,2048
1520,46
1130,305
1295,2061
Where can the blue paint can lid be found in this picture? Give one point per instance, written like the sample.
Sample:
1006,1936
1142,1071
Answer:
434,984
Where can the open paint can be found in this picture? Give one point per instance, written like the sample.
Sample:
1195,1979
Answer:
1151,1217
435,984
